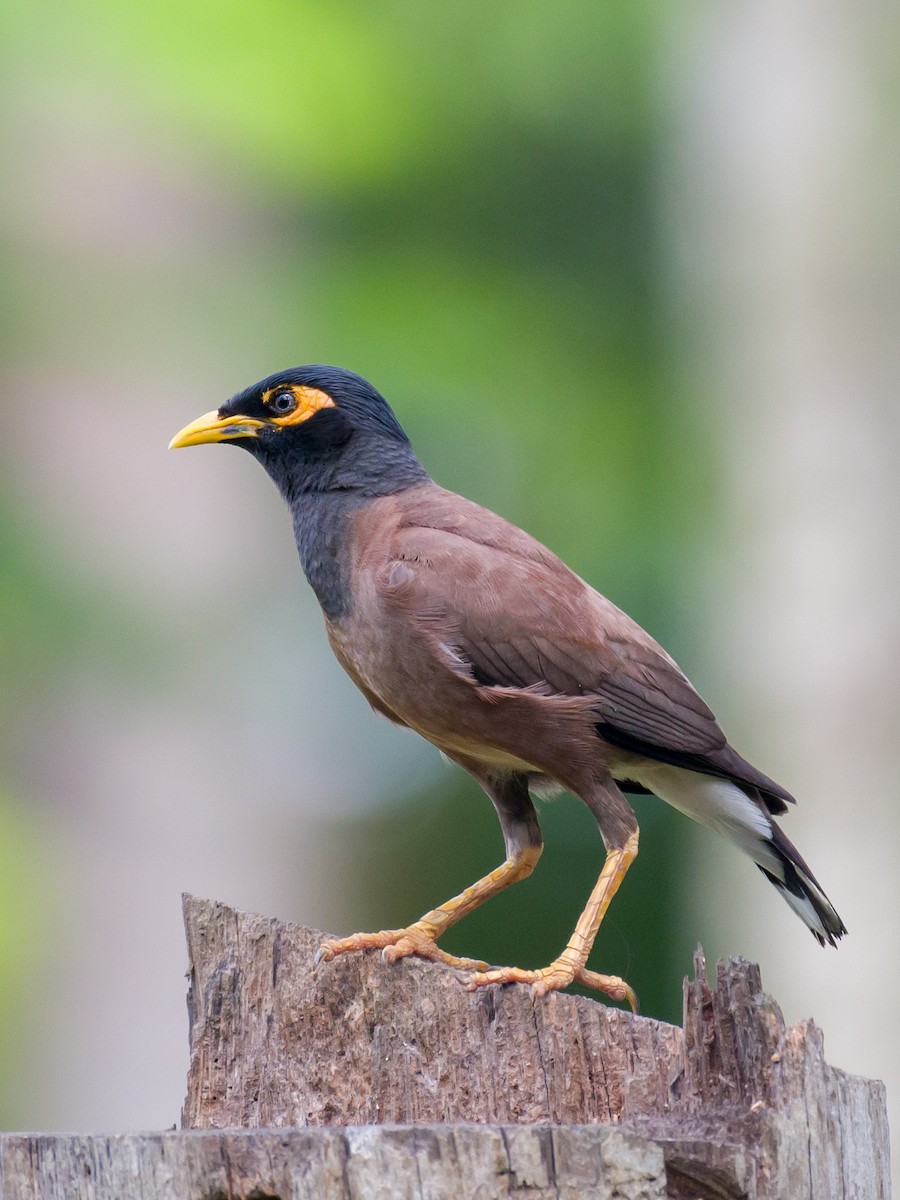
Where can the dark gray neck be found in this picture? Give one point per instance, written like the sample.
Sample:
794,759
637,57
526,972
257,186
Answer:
321,528
324,492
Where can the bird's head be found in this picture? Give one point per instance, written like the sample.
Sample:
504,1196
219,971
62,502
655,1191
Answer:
314,428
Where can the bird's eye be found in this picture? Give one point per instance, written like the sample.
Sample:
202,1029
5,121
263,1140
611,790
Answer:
283,403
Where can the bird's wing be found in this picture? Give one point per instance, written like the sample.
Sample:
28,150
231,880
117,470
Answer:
514,616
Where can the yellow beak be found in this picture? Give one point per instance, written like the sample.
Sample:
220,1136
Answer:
213,428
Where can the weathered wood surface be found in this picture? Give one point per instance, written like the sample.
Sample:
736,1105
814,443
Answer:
741,1104
356,1163
274,1042
363,1082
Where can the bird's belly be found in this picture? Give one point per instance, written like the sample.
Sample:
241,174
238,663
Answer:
489,756
439,706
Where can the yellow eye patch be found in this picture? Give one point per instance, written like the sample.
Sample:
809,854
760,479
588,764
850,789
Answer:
309,401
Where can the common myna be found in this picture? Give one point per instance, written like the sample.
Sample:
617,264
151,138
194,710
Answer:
455,623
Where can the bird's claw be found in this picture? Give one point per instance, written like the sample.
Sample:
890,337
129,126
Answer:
554,978
611,985
401,949
547,979
395,944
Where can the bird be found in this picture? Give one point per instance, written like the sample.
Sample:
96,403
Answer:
457,624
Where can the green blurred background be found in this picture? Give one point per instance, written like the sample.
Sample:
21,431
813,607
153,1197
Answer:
598,258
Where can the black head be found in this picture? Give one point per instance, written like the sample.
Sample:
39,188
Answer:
315,428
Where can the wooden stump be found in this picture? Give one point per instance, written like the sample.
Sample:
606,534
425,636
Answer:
740,1104
359,1081
360,1162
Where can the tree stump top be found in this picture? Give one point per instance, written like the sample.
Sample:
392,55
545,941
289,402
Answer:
740,1104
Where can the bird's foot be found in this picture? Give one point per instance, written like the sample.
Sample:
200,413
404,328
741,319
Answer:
395,944
555,977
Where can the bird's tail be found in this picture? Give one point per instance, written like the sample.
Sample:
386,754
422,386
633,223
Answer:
783,866
742,814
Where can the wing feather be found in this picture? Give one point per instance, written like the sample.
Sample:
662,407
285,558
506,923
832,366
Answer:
515,616
532,623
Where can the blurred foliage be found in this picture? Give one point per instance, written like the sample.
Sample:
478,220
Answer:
467,195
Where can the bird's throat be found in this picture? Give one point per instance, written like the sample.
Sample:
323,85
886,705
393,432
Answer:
325,486
321,521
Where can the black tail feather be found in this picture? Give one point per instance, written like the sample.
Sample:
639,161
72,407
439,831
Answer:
801,890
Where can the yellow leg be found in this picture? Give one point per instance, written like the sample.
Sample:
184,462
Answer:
569,967
420,938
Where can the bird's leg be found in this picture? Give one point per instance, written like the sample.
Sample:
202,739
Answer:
570,967
522,836
420,937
